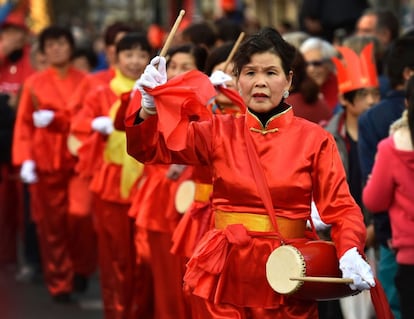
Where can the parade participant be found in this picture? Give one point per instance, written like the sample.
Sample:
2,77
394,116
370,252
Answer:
154,210
114,178
113,34
389,187
358,86
197,217
39,146
82,198
217,61
300,162
15,68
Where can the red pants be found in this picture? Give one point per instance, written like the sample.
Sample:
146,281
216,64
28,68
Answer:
168,272
84,247
67,241
116,258
298,309
144,290
49,203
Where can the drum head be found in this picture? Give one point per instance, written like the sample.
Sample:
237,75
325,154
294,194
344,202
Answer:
283,263
184,196
73,144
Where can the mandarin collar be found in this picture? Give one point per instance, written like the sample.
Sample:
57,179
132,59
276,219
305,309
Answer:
55,73
273,124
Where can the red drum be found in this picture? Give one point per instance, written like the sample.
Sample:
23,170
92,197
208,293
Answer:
307,259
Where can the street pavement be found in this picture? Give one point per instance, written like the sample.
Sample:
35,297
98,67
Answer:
32,301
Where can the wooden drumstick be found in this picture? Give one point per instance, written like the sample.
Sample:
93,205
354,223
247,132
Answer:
233,50
333,280
170,37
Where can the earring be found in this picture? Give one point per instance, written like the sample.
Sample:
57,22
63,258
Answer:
286,94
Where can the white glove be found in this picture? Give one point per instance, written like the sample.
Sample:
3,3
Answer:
152,77
28,173
355,267
103,125
42,118
219,78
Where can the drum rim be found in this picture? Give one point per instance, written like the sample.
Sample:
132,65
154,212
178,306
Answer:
192,187
298,284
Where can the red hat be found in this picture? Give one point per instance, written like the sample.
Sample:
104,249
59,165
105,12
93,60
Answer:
15,18
356,72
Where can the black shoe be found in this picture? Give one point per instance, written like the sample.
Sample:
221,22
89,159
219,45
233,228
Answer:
80,283
63,298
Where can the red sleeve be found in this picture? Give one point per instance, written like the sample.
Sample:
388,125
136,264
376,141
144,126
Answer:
95,104
378,192
122,111
333,200
24,128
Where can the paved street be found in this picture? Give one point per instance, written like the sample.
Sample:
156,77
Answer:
31,301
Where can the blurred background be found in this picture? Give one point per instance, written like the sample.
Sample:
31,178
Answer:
91,16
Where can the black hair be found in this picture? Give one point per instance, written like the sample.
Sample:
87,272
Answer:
55,32
409,95
134,40
227,29
113,30
399,56
266,40
201,33
89,54
350,95
217,56
198,52
386,19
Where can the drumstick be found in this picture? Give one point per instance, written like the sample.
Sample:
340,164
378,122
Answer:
333,280
233,50
172,33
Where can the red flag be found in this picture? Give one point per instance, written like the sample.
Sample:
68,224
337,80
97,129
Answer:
234,96
181,100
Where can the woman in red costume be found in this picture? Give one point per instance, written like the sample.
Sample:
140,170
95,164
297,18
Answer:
113,180
155,213
197,218
298,159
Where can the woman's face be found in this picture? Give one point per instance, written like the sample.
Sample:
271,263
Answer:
316,66
58,51
132,62
180,62
263,81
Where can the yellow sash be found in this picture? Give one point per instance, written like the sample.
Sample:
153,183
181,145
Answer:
115,150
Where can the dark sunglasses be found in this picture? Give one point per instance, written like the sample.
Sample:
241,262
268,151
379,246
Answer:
315,63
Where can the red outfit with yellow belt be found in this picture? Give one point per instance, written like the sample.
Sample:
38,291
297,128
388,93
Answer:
221,271
54,167
156,215
114,227
82,202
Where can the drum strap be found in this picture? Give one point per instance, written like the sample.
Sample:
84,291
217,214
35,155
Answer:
263,188
380,302
260,179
